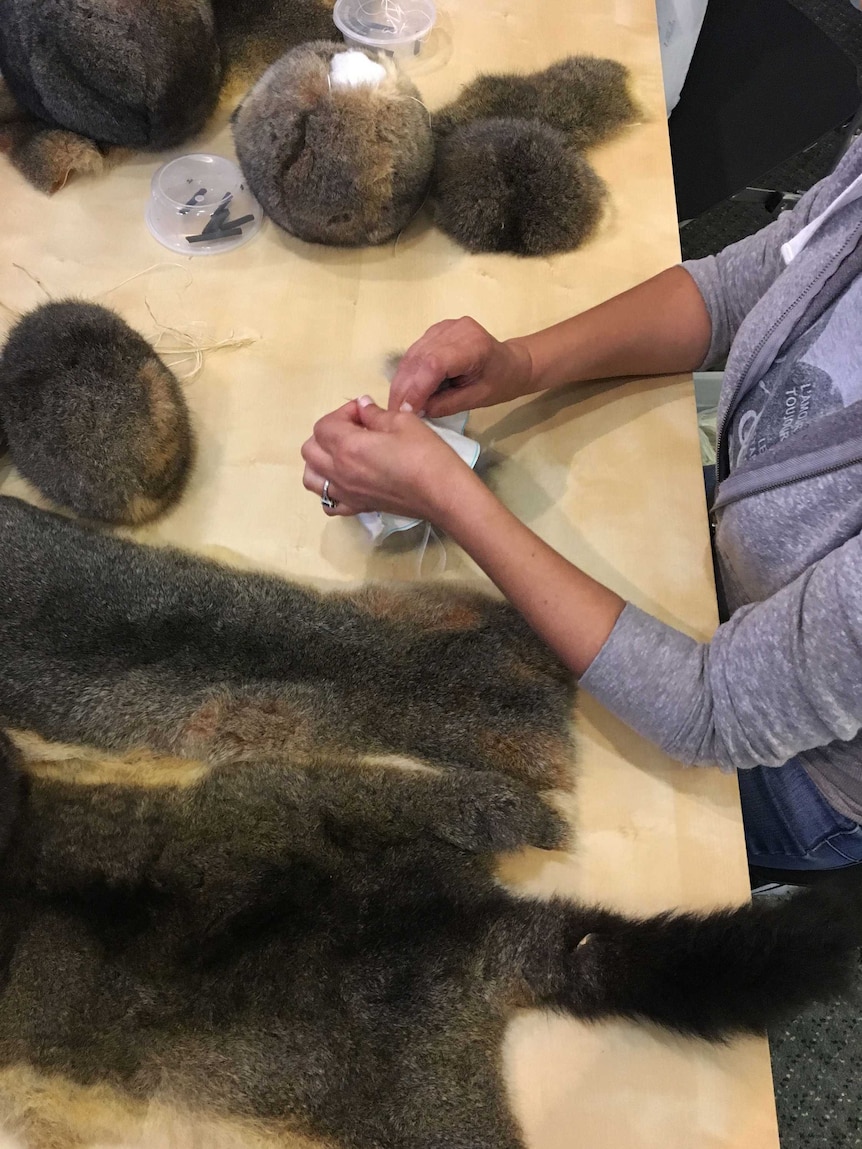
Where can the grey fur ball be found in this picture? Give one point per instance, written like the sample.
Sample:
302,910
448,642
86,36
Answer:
94,419
341,166
133,74
519,186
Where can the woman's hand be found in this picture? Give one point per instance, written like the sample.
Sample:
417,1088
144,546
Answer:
378,460
660,327
457,365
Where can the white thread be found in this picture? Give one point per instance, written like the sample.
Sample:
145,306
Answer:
146,271
189,348
416,100
412,218
428,189
186,346
35,279
375,11
426,539
11,310
153,267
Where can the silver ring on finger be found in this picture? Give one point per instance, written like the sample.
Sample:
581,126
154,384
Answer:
326,499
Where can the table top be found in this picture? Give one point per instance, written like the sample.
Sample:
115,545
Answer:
610,477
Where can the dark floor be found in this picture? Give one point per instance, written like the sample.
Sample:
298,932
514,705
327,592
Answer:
730,221
817,1060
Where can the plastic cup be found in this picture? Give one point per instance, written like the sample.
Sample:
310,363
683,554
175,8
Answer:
398,27
184,195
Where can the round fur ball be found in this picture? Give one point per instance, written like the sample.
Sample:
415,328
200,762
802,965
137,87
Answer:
514,186
341,166
94,419
121,72
587,97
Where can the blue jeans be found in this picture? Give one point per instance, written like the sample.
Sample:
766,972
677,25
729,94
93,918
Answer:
789,825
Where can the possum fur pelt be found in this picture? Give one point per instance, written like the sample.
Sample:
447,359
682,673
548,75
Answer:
123,646
322,954
303,935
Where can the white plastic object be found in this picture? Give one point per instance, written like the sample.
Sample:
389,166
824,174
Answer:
354,69
399,27
450,428
184,194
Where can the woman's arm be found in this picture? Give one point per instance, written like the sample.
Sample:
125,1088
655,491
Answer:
781,677
572,612
680,319
660,327
390,461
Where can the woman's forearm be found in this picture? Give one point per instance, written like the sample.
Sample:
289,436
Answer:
660,327
570,611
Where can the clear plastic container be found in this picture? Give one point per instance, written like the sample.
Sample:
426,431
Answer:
398,27
185,195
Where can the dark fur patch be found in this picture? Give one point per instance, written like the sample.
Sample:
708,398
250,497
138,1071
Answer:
253,34
94,419
139,75
509,175
515,186
346,167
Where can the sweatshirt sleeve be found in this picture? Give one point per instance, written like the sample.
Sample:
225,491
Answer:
735,279
780,677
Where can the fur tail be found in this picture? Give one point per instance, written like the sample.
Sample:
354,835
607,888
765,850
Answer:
707,975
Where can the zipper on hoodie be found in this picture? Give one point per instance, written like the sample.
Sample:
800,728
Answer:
777,483
825,271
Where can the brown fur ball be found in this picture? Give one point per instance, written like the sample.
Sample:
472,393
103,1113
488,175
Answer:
341,166
515,186
94,419
584,96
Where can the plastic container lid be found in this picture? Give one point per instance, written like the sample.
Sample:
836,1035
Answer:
397,26
185,195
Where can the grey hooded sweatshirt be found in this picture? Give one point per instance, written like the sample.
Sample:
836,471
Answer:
783,677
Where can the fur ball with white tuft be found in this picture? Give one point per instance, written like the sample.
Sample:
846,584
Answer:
336,151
